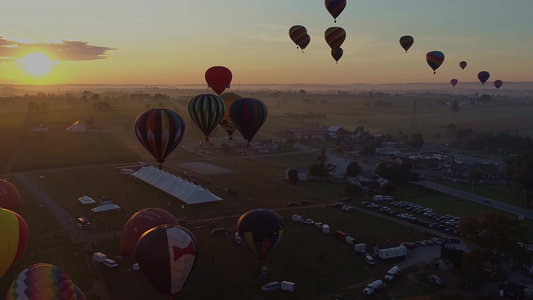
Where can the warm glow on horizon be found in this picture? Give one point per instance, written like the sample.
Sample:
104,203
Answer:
37,64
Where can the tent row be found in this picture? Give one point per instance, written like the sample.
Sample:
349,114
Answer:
177,187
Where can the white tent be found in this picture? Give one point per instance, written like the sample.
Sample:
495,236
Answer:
86,200
177,187
106,207
77,127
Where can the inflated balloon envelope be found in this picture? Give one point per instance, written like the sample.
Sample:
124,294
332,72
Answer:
166,255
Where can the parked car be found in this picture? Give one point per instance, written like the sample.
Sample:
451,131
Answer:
435,279
369,260
110,263
305,202
308,221
270,287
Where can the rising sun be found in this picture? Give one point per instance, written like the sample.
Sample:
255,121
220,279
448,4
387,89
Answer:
37,64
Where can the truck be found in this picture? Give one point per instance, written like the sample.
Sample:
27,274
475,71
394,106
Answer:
361,247
296,218
340,235
392,273
378,198
287,286
325,228
373,287
349,240
99,257
390,251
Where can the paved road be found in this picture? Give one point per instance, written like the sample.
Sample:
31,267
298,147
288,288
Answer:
527,213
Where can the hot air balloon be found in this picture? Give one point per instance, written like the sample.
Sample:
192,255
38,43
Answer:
226,121
299,36
335,36
159,131
406,42
462,64
454,82
260,230
498,83
13,237
138,224
43,281
206,111
337,54
434,59
335,7
248,114
9,195
218,78
166,256
483,76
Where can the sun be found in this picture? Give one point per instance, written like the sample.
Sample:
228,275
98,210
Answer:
37,64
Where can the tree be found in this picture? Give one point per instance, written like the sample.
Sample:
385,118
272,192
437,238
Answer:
417,141
519,170
318,170
455,107
353,169
293,176
489,237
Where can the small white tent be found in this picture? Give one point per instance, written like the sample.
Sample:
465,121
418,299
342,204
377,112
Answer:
77,127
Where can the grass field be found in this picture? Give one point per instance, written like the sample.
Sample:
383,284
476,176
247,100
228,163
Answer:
68,166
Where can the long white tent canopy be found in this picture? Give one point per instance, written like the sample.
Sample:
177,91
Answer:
182,189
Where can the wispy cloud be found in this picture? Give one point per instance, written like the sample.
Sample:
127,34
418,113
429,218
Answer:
65,50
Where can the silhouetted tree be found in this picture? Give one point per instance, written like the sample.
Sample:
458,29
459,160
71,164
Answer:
353,169
293,176
487,238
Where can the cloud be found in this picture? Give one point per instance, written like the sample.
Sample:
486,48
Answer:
65,50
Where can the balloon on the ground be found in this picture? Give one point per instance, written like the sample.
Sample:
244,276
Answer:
166,256
462,64
159,131
335,7
434,59
260,230
498,83
483,76
248,114
139,223
9,195
454,82
218,78
406,42
43,281
13,238
226,122
335,36
337,54
206,111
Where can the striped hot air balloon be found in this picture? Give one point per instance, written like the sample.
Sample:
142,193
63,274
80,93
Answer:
249,114
260,230
206,111
159,131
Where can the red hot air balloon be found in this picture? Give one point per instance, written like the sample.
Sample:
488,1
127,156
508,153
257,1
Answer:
9,195
260,230
206,111
498,83
406,42
13,237
166,256
434,59
159,131
218,78
454,82
248,114
138,224
44,281
462,64
335,36
483,76
335,7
